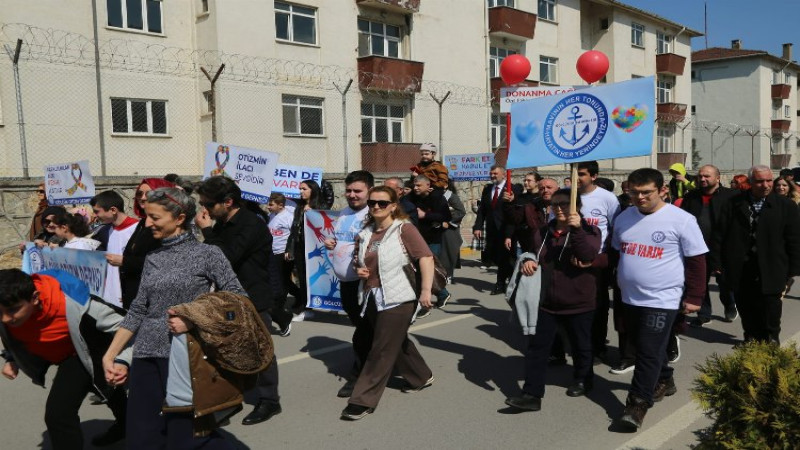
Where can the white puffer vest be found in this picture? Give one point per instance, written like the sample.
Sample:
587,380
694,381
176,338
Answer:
391,259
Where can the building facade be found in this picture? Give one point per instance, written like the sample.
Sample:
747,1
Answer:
127,92
751,91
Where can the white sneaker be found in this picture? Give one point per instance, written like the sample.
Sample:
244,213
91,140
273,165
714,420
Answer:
299,317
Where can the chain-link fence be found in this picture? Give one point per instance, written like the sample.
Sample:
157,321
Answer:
133,108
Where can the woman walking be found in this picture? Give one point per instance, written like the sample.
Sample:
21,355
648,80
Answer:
176,273
310,198
386,244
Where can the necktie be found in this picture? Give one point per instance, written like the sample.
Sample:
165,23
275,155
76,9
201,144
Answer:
496,194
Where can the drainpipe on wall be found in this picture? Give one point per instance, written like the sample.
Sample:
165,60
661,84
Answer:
100,125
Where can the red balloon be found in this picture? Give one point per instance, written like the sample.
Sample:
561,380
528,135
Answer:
514,69
592,66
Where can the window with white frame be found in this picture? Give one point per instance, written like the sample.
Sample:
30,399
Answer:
787,78
637,34
664,43
139,116
776,110
142,15
664,88
493,3
498,130
380,39
295,23
381,122
548,69
302,116
496,57
787,111
664,139
547,9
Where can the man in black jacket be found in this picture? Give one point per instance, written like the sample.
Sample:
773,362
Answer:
705,204
490,213
757,247
245,240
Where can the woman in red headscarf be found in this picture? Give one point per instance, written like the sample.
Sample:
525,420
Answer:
140,244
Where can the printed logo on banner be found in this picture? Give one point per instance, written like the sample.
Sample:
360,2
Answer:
658,237
575,126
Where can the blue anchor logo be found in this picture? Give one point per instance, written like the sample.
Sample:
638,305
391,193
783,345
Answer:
575,138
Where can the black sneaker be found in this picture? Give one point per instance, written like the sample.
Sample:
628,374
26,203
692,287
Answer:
731,313
624,367
356,412
525,402
423,313
114,433
664,388
578,389
556,361
698,321
286,330
410,390
442,302
635,410
674,349
347,390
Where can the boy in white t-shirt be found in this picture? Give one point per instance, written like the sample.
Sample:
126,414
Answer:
280,226
109,208
661,272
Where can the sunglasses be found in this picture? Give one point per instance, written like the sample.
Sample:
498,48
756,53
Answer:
382,204
41,191
46,222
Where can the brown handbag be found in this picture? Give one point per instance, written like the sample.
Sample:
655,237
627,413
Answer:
414,275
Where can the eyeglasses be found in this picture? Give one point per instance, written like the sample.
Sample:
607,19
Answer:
41,191
138,194
382,204
46,222
647,193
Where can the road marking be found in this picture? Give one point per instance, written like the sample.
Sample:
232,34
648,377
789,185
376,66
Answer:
337,347
673,424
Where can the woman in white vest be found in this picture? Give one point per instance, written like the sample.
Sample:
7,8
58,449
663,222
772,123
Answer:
389,302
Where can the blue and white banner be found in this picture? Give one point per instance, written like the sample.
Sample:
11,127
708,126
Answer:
287,179
68,183
469,167
321,282
252,169
610,121
87,266
516,94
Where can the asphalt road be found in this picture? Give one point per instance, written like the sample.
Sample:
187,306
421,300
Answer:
472,348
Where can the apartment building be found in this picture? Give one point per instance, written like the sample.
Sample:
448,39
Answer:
422,71
751,90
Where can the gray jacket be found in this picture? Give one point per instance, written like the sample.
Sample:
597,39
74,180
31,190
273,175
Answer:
524,293
92,324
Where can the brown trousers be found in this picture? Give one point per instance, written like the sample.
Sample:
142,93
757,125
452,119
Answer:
391,348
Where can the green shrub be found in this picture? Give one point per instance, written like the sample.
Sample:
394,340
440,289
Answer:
753,396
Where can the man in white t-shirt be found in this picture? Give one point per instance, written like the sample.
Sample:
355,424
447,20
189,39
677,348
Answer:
661,272
346,228
600,207
109,208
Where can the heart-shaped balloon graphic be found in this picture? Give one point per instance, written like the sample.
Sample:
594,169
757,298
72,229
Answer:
628,118
525,132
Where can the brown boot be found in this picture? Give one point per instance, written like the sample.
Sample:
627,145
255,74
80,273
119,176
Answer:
635,410
664,388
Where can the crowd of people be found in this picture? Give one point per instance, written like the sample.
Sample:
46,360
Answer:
564,259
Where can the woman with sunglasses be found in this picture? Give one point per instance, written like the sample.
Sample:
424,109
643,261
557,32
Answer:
310,198
568,251
386,244
48,234
140,244
177,272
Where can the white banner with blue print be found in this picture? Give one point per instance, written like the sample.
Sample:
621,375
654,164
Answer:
87,266
610,121
322,285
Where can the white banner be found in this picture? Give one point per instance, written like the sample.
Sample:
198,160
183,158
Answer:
252,169
68,183
288,178
511,95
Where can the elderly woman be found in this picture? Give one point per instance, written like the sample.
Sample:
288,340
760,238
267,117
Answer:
176,273
386,244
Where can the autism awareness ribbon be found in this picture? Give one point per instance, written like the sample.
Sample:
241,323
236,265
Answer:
220,170
78,182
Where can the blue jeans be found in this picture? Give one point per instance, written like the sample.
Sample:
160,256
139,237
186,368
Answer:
436,250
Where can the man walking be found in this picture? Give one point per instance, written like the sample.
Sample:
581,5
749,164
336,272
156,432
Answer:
757,248
705,205
490,213
660,272
246,241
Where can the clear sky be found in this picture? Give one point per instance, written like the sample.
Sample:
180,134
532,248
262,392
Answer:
760,24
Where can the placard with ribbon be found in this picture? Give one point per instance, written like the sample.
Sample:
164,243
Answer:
68,183
252,169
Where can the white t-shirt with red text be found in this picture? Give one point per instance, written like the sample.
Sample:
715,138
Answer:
599,208
280,226
651,252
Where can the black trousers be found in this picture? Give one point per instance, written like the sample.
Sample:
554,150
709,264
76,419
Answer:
276,280
496,247
600,324
579,328
760,313
649,330
363,334
70,386
724,295
267,381
147,389
180,435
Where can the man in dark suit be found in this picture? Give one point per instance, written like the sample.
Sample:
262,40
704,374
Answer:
757,248
705,204
490,212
